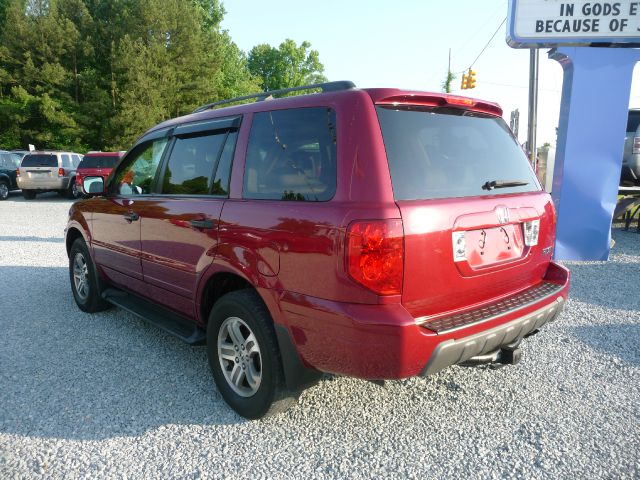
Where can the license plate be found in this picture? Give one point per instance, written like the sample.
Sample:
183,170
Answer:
489,246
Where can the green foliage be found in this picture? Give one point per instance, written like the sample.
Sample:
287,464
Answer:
95,74
446,85
287,66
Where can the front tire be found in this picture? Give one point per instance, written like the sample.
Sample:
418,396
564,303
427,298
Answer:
244,356
85,283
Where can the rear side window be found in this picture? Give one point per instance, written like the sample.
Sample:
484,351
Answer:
40,160
66,160
9,160
292,155
192,163
102,161
442,153
633,122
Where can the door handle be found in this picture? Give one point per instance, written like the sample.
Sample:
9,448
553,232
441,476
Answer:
204,224
131,217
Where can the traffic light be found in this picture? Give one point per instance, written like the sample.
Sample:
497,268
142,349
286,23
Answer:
471,79
465,79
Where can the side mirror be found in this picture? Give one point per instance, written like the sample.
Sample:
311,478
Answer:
93,186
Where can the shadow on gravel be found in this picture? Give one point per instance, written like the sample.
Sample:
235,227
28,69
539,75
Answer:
31,239
72,375
618,340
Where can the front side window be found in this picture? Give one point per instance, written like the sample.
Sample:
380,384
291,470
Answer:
292,155
76,160
192,163
135,177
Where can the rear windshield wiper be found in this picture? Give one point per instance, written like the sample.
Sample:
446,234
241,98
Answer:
490,185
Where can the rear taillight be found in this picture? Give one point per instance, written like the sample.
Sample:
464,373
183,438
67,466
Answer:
61,172
636,145
531,231
375,255
17,172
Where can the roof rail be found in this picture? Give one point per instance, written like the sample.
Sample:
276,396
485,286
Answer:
325,87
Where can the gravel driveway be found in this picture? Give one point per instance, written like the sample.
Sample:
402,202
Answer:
105,395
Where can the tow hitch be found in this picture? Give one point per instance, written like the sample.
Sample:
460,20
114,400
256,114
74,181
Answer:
506,355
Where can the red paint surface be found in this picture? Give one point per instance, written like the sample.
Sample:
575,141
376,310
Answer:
294,252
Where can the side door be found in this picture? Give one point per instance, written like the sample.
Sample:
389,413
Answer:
179,223
115,225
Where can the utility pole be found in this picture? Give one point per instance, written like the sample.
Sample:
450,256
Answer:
533,105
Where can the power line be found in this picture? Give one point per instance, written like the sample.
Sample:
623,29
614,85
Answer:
486,45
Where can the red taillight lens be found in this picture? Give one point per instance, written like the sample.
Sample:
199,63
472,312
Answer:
17,172
636,145
61,172
375,255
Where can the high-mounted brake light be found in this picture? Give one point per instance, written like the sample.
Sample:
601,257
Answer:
636,145
61,172
467,102
375,255
531,231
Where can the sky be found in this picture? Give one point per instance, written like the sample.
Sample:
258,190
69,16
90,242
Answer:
405,44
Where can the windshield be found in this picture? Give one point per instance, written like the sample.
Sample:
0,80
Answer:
101,161
447,152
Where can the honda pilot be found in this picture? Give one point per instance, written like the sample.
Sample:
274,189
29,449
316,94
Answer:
374,233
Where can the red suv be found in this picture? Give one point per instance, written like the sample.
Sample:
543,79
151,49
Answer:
375,233
97,164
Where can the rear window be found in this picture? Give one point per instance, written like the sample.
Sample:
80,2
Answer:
633,122
445,152
102,161
40,160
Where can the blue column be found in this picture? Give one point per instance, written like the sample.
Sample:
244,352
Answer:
591,131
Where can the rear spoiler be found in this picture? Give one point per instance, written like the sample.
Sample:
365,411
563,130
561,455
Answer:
452,101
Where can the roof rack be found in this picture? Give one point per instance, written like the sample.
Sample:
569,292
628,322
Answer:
325,87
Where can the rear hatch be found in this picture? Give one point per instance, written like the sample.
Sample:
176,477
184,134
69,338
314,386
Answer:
470,203
98,165
39,167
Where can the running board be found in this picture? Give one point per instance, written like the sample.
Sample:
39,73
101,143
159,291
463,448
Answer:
166,320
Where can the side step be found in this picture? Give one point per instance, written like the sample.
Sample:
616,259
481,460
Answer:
162,318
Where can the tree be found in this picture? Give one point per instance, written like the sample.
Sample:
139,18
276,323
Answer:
287,66
446,85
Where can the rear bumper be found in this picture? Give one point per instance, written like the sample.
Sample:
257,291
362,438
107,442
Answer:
452,351
386,342
61,183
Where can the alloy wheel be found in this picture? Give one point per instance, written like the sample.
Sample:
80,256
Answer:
239,356
81,276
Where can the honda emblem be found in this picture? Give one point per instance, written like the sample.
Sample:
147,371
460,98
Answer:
503,215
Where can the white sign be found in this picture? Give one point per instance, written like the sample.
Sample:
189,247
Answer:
562,22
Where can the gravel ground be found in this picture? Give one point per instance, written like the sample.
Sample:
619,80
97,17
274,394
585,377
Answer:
105,395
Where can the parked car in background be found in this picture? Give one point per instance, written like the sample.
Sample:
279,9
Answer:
20,153
630,174
9,163
97,164
376,233
48,170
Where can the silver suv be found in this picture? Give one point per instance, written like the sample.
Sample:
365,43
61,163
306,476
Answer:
631,158
47,171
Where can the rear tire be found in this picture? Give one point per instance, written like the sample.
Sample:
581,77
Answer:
85,283
244,356
4,190
28,194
